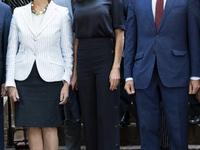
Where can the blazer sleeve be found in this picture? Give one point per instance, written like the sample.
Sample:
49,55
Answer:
67,45
11,52
130,42
7,20
194,36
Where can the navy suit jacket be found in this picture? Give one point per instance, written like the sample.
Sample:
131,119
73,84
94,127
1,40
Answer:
174,47
125,7
5,19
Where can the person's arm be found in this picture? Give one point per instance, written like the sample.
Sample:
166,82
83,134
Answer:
115,72
194,44
7,20
67,54
13,43
73,81
130,49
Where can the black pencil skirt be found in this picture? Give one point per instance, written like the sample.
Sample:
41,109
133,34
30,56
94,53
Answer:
39,102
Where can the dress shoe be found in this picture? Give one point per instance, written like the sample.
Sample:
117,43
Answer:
195,119
125,120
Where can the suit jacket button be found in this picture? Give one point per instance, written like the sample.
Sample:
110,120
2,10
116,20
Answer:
117,145
116,126
35,39
154,52
157,35
116,107
35,54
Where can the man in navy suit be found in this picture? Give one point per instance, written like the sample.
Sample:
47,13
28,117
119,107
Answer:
162,52
5,19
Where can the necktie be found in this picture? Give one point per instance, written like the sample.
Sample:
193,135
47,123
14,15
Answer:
159,12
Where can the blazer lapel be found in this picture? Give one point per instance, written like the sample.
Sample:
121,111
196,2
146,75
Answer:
148,4
49,15
168,6
27,15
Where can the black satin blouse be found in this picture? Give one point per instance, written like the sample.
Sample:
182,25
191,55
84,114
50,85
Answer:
97,18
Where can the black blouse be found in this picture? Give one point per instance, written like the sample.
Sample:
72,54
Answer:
97,18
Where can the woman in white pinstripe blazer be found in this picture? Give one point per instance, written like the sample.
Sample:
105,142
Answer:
38,69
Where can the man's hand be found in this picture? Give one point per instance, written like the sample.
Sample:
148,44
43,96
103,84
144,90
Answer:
13,93
3,90
64,94
193,86
129,87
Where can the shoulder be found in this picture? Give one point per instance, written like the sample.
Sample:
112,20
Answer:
22,8
61,9
4,6
5,11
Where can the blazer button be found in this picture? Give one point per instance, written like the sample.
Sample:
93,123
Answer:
116,107
35,39
116,126
117,145
154,52
35,54
157,35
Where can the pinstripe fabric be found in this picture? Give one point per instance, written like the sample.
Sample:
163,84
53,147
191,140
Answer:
51,47
16,3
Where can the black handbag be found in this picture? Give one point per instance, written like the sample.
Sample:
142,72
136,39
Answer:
72,107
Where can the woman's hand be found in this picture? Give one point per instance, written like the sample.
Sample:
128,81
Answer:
73,81
13,93
64,94
114,78
3,90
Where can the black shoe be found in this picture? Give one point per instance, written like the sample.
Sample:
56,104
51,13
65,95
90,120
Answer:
125,120
194,119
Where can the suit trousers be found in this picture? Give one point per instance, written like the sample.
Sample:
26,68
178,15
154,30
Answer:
194,105
1,117
99,105
175,106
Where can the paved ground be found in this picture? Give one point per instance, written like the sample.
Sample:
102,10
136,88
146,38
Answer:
191,147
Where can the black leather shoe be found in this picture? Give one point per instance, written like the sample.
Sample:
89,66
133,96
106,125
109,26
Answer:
125,120
194,119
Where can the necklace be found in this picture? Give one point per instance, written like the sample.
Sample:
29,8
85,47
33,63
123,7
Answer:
41,12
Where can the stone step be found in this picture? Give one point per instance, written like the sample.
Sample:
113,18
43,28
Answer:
131,147
137,147
130,136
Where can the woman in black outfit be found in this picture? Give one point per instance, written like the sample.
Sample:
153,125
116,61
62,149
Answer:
97,24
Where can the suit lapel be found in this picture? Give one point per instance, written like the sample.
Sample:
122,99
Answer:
27,15
148,5
49,15
168,6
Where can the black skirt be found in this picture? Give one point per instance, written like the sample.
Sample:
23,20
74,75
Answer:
39,102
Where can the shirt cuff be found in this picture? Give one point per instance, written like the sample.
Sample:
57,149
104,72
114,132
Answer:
129,78
194,78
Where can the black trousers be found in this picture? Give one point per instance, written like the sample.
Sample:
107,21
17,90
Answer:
99,105
194,105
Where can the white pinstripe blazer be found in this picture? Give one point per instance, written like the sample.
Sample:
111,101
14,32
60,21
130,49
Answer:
51,47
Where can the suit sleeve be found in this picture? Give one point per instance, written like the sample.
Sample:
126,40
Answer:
67,45
194,36
13,42
8,16
130,42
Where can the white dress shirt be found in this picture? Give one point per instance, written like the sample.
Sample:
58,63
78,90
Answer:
154,12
